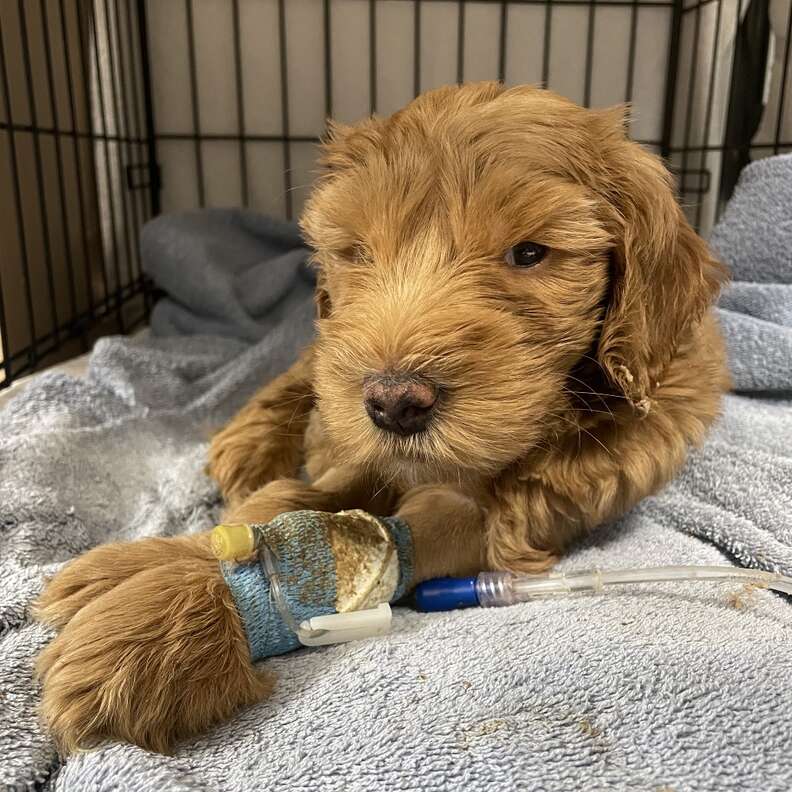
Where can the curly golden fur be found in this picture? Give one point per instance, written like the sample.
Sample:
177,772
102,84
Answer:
567,392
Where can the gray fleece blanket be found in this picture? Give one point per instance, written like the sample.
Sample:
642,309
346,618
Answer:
652,688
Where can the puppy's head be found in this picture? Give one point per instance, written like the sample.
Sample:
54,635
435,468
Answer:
473,249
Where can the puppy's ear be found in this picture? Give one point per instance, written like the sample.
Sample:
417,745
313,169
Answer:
664,276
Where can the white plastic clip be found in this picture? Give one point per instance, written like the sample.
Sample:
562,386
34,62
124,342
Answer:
343,627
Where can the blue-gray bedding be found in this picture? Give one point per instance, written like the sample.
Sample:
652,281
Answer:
225,272
683,688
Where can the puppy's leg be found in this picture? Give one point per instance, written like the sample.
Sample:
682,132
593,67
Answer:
161,656
448,532
152,647
264,441
529,525
337,489
447,527
101,569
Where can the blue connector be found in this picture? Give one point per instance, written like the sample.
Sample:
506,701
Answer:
442,594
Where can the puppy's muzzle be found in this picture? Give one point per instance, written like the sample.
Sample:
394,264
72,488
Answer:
399,403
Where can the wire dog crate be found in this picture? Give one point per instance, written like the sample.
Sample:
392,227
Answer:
112,111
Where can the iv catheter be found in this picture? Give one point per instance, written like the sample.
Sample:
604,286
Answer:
492,589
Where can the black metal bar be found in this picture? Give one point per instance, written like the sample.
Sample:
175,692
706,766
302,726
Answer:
120,105
710,100
5,364
328,58
372,15
155,184
284,78
40,185
745,105
571,3
736,147
120,152
281,138
85,73
701,188
584,3
631,52
691,93
548,29
67,251
672,69
231,137
416,47
133,34
131,169
70,133
743,114
108,175
589,54
782,94
460,76
196,111
32,351
504,17
133,71
104,310
623,3
240,96
77,158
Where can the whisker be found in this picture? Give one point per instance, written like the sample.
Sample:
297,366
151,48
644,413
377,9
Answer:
580,429
591,411
283,402
606,411
384,486
591,391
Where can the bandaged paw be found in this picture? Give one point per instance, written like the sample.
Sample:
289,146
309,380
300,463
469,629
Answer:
323,563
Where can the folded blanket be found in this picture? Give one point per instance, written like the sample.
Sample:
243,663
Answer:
755,239
755,232
226,272
683,688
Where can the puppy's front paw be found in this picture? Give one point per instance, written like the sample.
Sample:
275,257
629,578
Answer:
160,656
103,568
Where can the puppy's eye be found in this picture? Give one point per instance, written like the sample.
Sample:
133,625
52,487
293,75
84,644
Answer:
526,254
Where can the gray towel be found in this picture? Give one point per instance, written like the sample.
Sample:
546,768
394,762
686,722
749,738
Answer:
755,232
663,687
755,238
226,272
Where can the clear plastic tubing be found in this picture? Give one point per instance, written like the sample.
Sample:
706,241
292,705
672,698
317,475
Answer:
491,589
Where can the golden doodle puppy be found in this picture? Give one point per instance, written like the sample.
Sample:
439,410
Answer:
514,345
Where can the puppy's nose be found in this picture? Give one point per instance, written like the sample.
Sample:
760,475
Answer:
400,404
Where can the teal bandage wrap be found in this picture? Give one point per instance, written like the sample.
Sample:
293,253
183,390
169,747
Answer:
306,566
402,537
